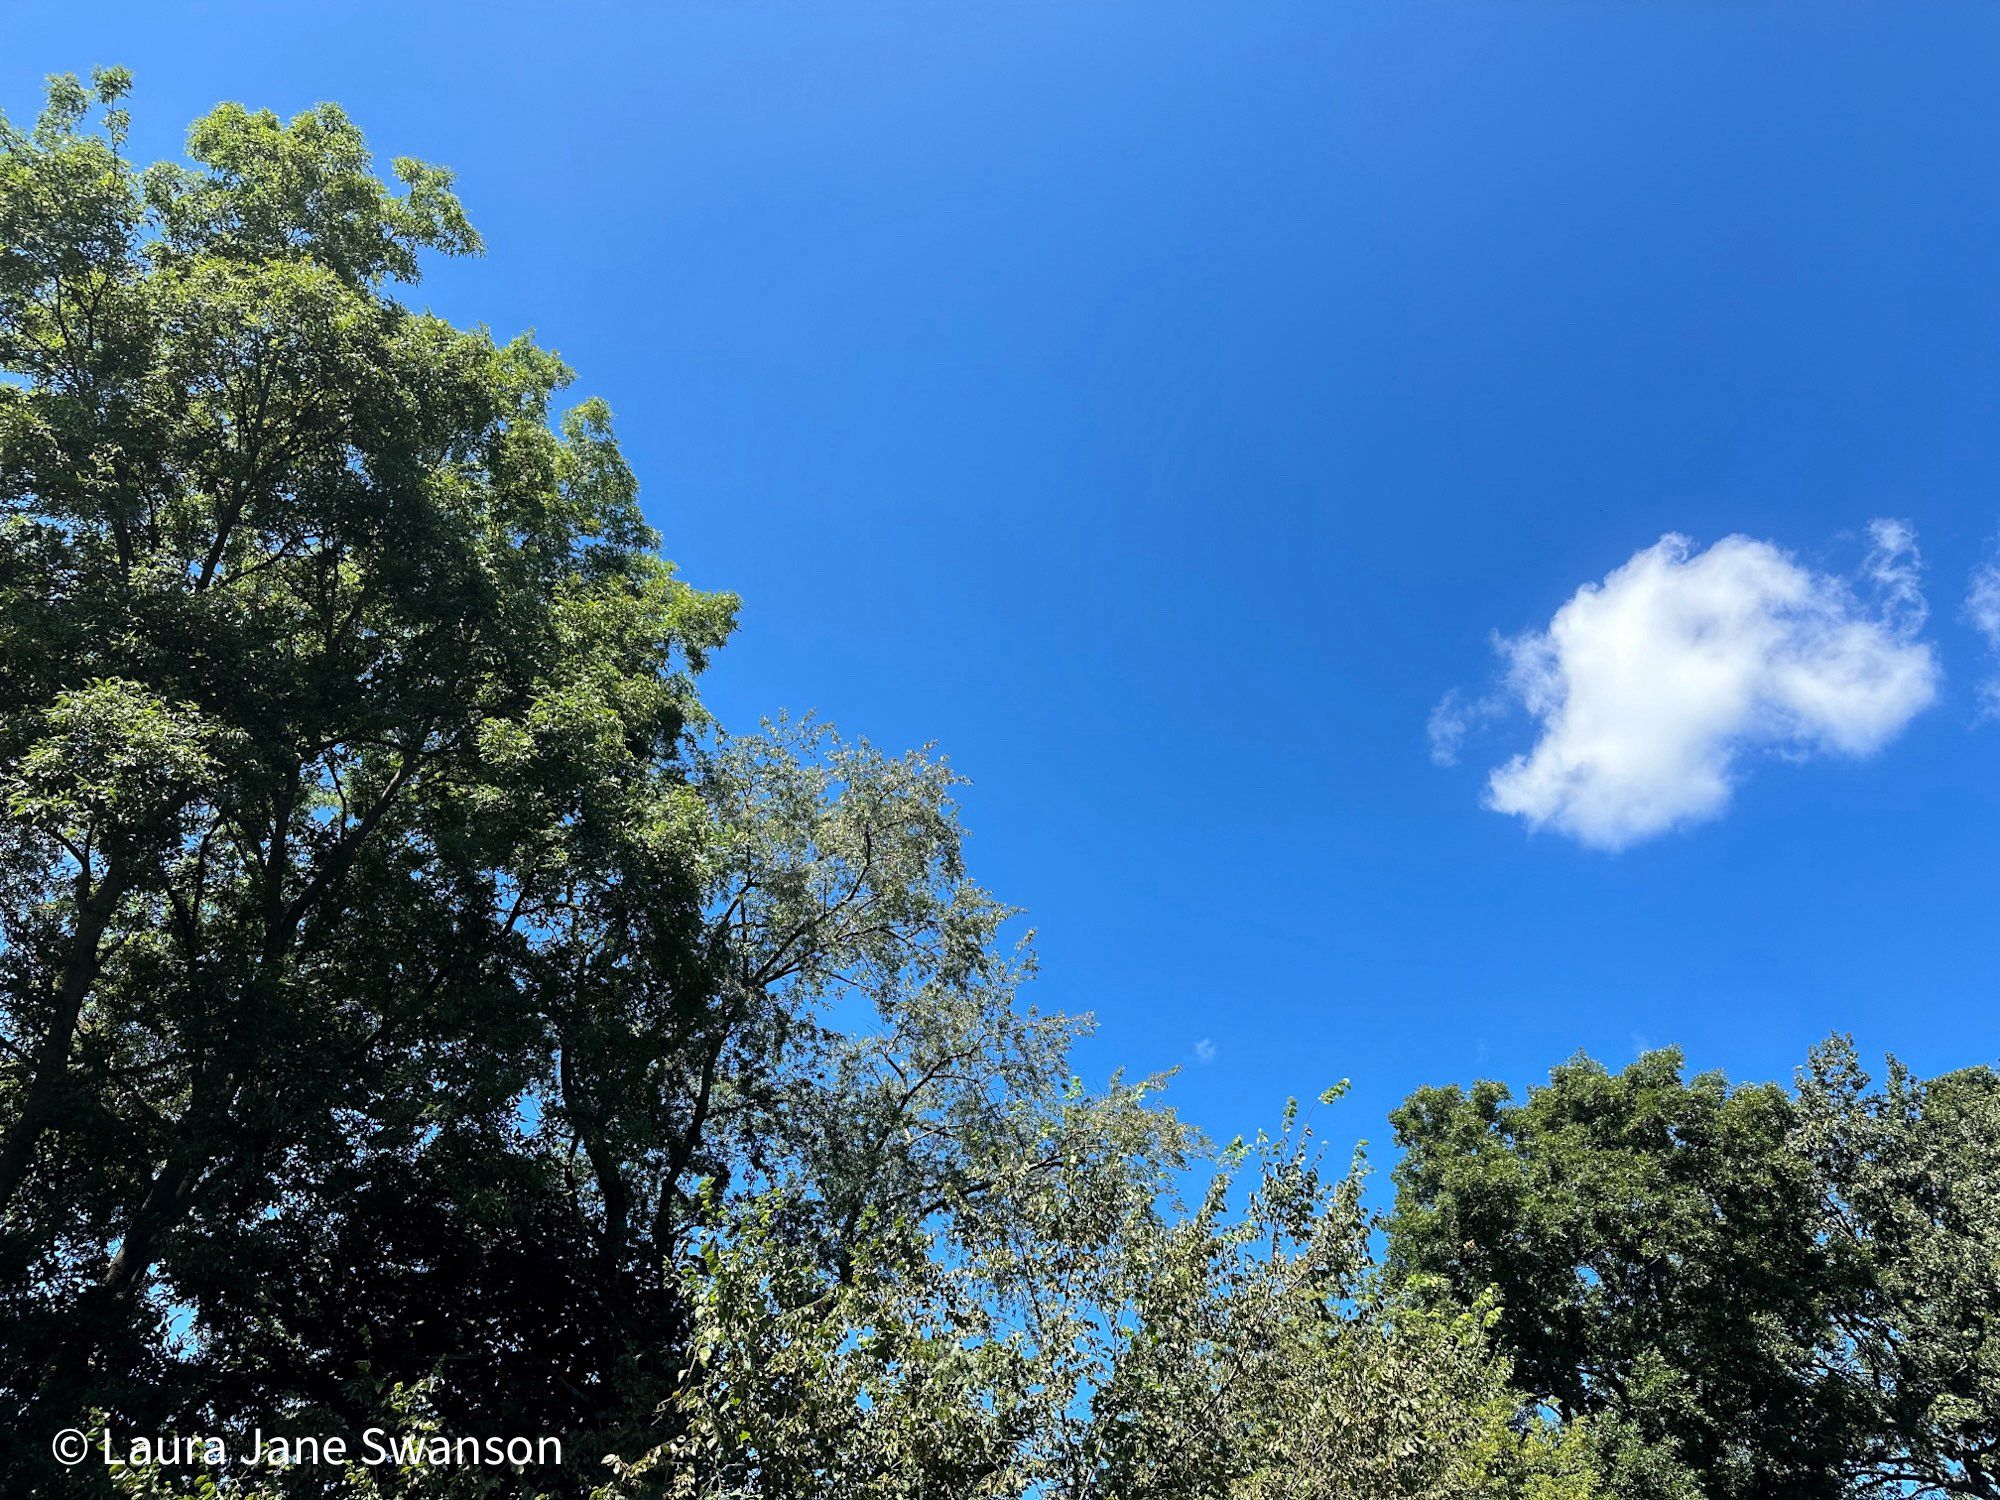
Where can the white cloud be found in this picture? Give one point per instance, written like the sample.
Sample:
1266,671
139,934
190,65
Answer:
1983,603
1895,567
1454,718
1982,608
1651,686
1204,1051
1447,728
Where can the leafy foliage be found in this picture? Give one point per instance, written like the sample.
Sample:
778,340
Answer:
1909,1210
342,684
1754,1292
1058,1334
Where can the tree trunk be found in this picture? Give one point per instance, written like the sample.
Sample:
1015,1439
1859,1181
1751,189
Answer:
51,1063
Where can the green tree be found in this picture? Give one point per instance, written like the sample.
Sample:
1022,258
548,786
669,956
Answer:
1064,1329
1909,1210
326,652
1754,1293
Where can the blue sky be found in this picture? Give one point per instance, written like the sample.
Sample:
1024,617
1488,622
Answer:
1162,407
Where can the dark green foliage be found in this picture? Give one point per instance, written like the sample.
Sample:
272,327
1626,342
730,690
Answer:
334,674
1759,1294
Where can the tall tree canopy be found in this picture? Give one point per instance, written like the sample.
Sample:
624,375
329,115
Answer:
343,706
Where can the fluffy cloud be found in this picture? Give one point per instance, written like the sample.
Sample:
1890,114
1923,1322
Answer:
1651,686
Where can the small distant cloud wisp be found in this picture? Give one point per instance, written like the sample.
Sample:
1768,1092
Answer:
1982,609
1650,687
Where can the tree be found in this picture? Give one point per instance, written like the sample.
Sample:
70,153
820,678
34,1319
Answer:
1754,1293
1066,1332
321,649
1909,1212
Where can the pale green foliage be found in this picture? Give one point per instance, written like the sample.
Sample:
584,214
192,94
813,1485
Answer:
1063,1332
111,763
